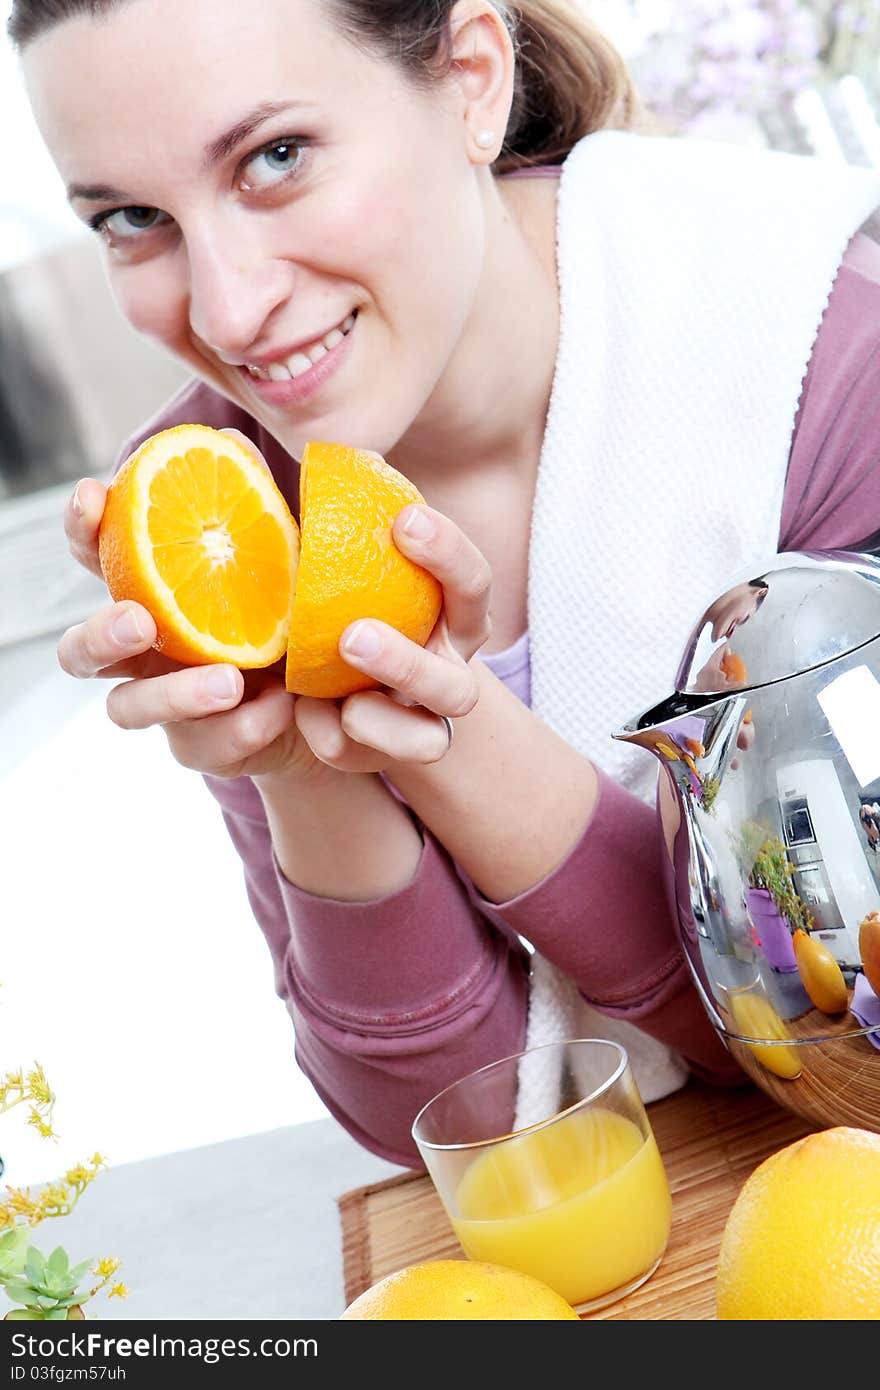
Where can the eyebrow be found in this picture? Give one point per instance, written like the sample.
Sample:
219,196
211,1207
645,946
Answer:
226,143
214,152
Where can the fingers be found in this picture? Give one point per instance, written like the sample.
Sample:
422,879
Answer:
111,635
368,730
407,733
744,740
247,444
225,742
443,683
746,736
191,693
82,518
440,547
436,677
320,723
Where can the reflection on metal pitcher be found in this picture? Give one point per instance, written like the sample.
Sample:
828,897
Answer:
770,746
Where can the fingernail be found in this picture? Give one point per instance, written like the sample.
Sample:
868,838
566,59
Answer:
220,683
363,641
75,502
126,629
420,525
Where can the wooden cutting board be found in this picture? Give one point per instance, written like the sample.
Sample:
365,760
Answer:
710,1141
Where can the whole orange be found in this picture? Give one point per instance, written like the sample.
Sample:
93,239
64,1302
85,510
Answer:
869,949
802,1241
195,529
350,567
460,1290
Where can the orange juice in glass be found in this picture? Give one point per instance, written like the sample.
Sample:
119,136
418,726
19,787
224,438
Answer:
546,1163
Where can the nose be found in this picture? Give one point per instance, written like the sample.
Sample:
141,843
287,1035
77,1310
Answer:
235,287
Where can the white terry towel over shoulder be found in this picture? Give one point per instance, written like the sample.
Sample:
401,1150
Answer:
693,279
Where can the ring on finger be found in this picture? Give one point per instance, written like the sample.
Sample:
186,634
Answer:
450,731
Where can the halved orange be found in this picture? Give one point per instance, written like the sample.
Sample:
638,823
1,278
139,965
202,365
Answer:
195,529
350,567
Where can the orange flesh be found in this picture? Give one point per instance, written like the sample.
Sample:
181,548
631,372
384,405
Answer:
225,558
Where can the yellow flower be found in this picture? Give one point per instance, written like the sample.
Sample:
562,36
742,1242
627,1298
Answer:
79,1174
98,1161
19,1199
20,1203
54,1200
118,1291
14,1089
107,1267
38,1087
43,1127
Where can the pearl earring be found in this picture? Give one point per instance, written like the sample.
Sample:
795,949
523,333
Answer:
485,139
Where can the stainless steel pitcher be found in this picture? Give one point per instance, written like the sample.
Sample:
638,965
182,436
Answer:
770,810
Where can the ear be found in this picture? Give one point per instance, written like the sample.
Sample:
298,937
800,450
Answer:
483,67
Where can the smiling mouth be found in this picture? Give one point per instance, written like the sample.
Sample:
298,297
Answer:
304,358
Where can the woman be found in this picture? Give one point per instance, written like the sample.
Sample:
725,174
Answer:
310,205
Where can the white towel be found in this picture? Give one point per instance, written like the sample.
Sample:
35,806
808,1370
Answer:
693,279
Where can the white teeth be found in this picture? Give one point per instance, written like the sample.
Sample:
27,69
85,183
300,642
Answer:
300,362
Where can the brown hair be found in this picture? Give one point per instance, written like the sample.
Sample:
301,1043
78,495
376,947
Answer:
570,79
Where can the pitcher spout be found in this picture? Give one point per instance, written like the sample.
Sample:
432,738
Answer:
666,720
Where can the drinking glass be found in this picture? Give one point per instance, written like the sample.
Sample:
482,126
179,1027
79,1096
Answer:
545,1162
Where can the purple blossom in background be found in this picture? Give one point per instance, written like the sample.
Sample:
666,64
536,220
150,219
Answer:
741,56
738,55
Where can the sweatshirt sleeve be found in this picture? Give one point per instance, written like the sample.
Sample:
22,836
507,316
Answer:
602,917
392,999
602,914
832,495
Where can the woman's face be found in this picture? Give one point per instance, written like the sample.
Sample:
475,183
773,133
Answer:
291,217
733,609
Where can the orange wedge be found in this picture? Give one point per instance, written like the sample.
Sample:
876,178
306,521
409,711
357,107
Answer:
350,567
195,529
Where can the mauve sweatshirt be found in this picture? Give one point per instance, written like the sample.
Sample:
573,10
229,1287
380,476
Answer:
393,999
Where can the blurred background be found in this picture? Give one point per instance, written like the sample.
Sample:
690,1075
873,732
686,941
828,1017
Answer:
131,967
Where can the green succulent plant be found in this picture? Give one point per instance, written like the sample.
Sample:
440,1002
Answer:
48,1288
13,1250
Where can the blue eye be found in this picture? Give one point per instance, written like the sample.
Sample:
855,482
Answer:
272,164
126,223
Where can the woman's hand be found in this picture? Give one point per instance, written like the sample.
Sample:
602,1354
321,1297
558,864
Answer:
217,720
366,731
231,725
